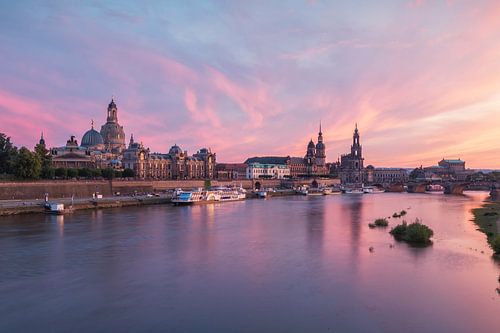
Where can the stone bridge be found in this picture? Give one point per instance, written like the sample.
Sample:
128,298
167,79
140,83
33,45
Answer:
450,187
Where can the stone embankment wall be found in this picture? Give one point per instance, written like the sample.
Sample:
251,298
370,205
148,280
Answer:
84,189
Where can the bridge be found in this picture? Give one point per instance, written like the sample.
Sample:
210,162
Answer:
450,187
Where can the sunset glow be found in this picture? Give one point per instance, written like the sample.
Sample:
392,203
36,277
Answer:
421,78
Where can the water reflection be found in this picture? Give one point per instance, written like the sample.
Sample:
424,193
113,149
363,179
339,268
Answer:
293,264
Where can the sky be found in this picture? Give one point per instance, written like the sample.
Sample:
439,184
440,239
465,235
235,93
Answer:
252,78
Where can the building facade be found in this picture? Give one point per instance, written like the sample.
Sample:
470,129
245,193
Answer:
313,164
351,170
176,164
385,175
267,171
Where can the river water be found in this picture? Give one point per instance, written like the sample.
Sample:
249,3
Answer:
290,264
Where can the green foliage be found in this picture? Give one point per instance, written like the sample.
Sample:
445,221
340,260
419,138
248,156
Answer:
382,222
8,155
27,165
415,232
495,244
47,173
207,183
45,158
128,173
96,173
118,174
72,173
108,173
84,173
399,231
61,173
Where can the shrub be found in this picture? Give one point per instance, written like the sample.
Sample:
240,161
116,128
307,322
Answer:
495,244
399,231
72,173
382,222
415,232
128,173
84,173
61,172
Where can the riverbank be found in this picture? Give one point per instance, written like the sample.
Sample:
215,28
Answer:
487,218
15,207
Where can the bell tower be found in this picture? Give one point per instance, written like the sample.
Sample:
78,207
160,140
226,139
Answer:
356,150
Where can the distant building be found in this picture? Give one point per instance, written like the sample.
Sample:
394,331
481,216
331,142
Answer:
271,171
385,175
177,164
351,171
72,156
447,169
313,164
231,171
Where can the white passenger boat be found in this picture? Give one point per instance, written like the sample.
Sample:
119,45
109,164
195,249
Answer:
372,190
216,194
353,191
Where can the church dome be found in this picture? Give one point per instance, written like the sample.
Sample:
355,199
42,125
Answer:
92,138
175,150
310,145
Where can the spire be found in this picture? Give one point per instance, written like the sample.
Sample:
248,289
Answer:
42,140
320,128
92,123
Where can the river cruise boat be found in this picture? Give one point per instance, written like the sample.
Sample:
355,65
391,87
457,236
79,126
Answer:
372,190
354,190
215,194
434,188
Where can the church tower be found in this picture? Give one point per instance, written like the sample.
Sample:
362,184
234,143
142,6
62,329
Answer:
356,146
111,132
42,141
320,149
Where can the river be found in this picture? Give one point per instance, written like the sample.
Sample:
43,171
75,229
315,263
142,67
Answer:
289,264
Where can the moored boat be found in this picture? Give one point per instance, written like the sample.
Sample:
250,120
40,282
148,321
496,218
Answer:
372,190
57,208
216,194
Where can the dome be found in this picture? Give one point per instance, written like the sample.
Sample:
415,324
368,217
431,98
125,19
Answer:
92,138
311,144
175,150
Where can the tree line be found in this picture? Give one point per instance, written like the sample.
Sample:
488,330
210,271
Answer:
22,163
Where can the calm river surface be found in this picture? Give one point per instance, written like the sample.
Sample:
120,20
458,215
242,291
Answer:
291,264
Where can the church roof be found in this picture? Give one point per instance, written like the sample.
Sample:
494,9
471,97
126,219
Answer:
267,160
92,138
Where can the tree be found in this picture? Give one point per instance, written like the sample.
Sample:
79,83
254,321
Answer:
108,173
27,165
128,173
84,173
96,173
61,172
46,159
72,173
7,154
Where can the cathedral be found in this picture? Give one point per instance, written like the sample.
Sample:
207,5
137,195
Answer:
107,149
351,170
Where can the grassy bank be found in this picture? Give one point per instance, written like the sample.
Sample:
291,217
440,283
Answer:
488,219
